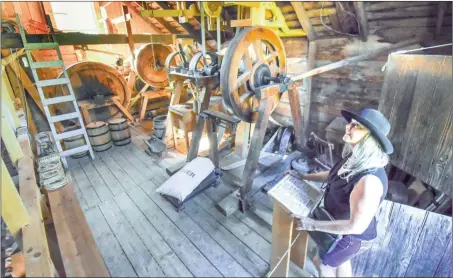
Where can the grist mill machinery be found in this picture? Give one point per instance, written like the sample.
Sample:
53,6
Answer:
97,87
198,75
252,80
149,66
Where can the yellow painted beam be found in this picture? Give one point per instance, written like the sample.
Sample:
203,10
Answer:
7,60
13,210
8,89
243,4
292,33
191,12
6,99
10,140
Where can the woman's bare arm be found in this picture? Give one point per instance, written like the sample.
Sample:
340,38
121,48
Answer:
321,176
364,203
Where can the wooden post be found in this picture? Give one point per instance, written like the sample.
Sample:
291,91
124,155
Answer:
363,22
294,102
312,48
304,20
213,152
130,39
254,153
440,18
13,210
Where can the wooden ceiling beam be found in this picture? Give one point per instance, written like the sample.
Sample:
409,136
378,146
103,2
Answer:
187,26
363,22
304,20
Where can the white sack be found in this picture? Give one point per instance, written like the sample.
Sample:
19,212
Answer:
181,184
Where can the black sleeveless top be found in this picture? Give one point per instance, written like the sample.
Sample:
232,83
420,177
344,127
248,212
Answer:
338,190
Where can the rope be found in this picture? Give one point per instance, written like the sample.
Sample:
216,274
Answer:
284,255
413,50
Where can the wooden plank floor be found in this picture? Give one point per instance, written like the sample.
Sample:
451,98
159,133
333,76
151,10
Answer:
140,234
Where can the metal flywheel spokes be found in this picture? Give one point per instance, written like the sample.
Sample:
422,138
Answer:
254,56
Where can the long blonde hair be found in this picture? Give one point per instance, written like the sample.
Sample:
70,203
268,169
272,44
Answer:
364,155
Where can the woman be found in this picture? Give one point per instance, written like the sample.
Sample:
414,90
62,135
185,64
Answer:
356,186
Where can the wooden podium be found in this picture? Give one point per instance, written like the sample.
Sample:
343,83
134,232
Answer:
283,234
290,195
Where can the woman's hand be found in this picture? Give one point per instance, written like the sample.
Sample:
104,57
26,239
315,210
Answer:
304,223
294,173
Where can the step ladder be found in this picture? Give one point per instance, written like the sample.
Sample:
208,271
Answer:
55,100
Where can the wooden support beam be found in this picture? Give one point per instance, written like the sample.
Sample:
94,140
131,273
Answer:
7,100
36,250
304,20
127,18
354,60
307,86
13,40
13,210
440,18
294,102
121,107
81,257
363,22
195,34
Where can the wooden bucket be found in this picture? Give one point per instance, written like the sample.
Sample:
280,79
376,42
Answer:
74,142
99,135
119,130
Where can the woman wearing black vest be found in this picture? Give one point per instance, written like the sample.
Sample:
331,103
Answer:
356,186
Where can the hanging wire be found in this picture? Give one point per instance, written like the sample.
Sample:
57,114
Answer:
413,50
341,5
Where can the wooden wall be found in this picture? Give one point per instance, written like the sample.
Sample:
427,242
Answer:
417,98
396,21
411,243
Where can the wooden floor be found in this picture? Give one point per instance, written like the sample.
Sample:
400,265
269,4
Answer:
140,234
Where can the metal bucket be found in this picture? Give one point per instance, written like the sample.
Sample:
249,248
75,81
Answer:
159,126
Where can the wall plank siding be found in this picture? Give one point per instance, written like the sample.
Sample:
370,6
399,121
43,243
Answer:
411,243
416,97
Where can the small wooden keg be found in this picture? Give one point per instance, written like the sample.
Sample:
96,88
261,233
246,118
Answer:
74,142
119,130
99,135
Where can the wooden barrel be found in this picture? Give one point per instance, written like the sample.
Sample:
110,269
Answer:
99,135
74,142
119,130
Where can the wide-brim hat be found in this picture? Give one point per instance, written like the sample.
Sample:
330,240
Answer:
377,123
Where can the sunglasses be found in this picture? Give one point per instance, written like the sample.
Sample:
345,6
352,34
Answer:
355,124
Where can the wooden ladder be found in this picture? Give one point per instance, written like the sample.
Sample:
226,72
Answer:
65,81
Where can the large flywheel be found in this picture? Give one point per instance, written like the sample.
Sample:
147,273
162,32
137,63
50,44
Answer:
150,64
253,57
